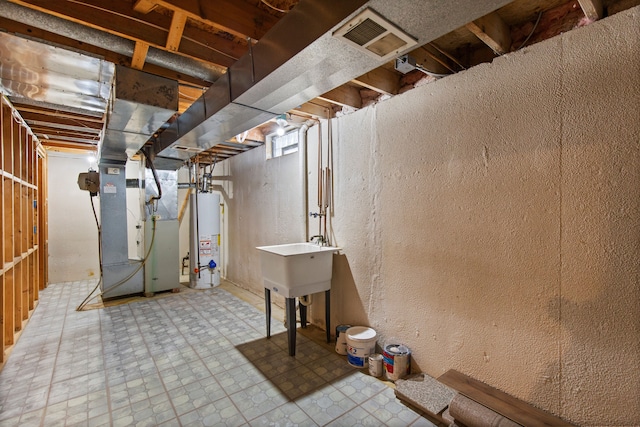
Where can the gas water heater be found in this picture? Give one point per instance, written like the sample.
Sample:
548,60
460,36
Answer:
204,240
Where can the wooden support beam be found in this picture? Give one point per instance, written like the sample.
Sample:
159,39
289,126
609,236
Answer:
139,55
381,80
14,27
117,18
60,145
315,108
254,134
592,9
493,31
40,113
241,19
429,62
178,22
144,6
183,206
62,121
345,95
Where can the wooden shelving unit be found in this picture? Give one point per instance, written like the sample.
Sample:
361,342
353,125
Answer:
23,224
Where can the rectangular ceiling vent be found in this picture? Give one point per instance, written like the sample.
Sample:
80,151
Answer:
188,149
373,34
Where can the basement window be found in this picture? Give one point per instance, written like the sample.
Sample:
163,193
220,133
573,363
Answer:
280,145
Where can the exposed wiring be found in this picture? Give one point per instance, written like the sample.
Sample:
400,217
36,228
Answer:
151,201
532,31
126,279
429,73
273,7
88,298
149,164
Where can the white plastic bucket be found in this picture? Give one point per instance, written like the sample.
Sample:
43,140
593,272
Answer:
361,342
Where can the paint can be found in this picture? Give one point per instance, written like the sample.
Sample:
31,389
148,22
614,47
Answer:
341,339
375,365
397,361
361,342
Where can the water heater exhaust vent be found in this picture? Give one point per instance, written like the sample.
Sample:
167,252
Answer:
373,34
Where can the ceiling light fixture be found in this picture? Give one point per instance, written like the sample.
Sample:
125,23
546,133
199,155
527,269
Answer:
281,120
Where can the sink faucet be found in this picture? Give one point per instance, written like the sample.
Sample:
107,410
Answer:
320,239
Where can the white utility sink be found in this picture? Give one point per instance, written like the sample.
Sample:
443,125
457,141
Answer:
297,269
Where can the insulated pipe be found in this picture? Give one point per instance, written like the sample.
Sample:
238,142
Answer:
320,169
197,236
302,156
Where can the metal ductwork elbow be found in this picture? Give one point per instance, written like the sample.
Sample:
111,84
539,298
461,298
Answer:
140,104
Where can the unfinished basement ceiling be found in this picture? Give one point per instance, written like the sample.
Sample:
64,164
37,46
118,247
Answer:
196,42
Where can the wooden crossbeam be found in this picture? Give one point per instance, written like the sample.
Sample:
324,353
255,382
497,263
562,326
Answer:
241,19
493,31
34,113
144,6
380,80
315,108
118,19
139,55
178,22
592,8
345,95
34,32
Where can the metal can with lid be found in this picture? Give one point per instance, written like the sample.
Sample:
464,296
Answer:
375,365
397,361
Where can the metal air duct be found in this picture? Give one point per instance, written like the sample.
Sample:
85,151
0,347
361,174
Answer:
140,104
104,40
303,56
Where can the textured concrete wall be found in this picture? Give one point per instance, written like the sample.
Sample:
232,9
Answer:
490,221
600,242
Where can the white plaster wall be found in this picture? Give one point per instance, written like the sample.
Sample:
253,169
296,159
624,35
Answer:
73,235
490,221
468,207
263,206
600,246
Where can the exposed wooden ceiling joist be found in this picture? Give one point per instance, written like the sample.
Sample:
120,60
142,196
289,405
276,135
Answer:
139,55
71,146
235,17
592,8
381,80
178,22
18,28
345,96
40,112
116,17
315,108
217,33
493,31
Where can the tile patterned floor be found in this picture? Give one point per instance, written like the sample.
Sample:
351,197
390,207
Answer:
191,359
